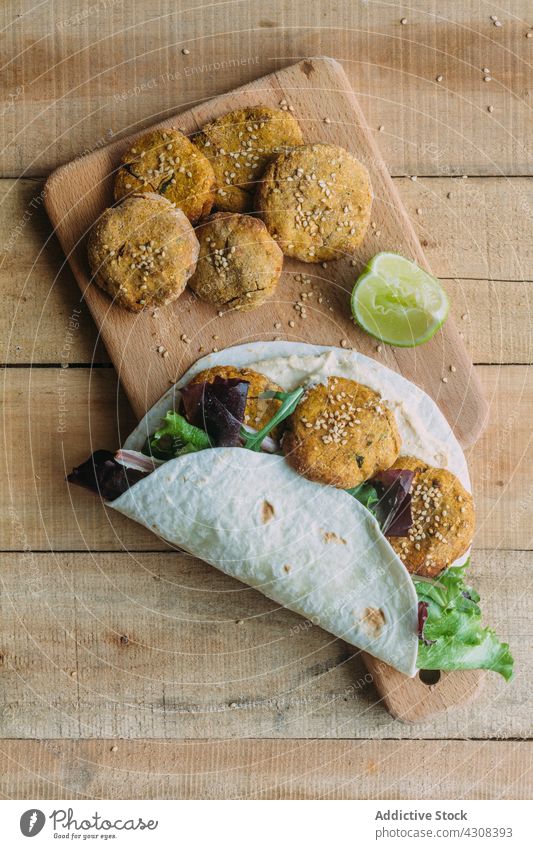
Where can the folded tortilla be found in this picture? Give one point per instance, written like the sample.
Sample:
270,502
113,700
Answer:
311,548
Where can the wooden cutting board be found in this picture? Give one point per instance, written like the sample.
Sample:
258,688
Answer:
318,92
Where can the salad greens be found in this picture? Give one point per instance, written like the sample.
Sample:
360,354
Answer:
176,437
452,635
254,440
218,408
104,474
366,494
388,497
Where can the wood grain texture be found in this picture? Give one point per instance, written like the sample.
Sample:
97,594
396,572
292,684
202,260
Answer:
415,699
40,321
265,769
162,645
74,78
77,193
61,415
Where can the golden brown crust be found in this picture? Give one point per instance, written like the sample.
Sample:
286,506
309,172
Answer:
341,434
239,145
167,163
258,411
444,520
239,264
142,252
316,202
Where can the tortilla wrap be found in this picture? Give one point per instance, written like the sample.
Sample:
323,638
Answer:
313,549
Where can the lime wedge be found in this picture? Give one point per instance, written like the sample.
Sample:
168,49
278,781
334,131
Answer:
397,302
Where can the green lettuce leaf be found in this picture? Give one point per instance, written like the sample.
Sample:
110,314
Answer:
253,441
453,636
366,494
176,437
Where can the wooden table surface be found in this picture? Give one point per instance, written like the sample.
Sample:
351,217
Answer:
128,671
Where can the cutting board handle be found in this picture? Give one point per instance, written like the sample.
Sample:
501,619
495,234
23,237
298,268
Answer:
428,693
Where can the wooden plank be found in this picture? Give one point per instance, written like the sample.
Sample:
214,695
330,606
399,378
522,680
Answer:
41,298
164,646
77,193
265,769
501,462
76,77
38,509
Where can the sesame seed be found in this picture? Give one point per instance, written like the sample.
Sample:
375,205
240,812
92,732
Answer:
292,323
529,34
114,748
344,343
327,120
414,178
490,108
453,369
498,24
185,51
403,21
160,349
445,380
381,128
464,316
440,78
379,349
419,211
487,78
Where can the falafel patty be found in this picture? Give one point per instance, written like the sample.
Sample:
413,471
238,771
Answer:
239,145
443,520
258,411
167,163
315,201
239,264
142,252
341,434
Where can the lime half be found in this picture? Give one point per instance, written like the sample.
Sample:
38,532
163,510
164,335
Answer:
397,302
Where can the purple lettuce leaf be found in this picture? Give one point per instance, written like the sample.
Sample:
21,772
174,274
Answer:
103,474
423,612
218,408
393,510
